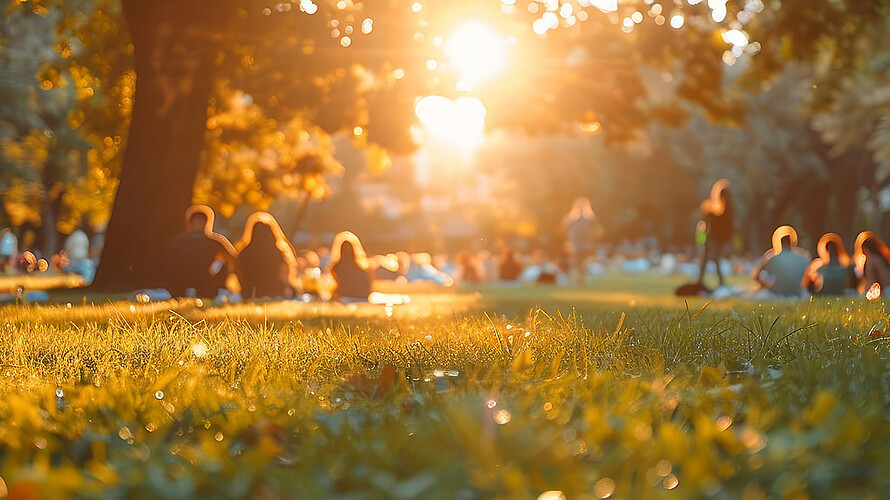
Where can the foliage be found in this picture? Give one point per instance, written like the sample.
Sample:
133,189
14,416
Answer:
69,104
251,159
149,400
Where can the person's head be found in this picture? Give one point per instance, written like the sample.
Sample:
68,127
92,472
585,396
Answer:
464,258
870,247
262,229
199,218
784,238
581,208
347,252
422,259
346,247
262,234
198,222
404,259
719,200
786,242
831,248
77,246
311,258
389,262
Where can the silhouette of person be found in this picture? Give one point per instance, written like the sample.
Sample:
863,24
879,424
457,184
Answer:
420,268
386,267
198,258
582,231
717,212
350,268
266,264
9,249
830,273
872,258
510,267
468,267
782,267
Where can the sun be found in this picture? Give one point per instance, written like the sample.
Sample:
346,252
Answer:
477,53
459,123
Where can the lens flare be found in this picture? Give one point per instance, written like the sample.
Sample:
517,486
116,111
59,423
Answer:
476,52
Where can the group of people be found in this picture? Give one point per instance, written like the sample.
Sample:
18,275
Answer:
77,256
786,269
262,261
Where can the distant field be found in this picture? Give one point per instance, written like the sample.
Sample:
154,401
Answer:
489,393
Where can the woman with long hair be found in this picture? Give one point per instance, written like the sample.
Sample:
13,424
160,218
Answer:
350,268
872,259
266,265
831,272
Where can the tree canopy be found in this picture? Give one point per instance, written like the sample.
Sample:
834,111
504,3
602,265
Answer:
240,99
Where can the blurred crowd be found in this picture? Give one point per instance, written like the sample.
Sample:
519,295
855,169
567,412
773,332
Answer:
262,262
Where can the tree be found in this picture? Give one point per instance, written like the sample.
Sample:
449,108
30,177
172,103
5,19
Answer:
845,50
290,61
252,160
53,173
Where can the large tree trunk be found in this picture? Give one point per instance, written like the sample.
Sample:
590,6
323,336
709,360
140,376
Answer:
175,45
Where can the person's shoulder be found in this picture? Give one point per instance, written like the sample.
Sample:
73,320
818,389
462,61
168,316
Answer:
802,252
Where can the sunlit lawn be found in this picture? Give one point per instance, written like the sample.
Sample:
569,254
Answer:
637,394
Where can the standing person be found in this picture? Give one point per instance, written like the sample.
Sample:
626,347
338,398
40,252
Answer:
872,258
781,269
267,263
830,273
582,231
9,249
198,258
717,211
350,268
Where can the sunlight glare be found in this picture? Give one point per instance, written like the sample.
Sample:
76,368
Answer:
460,123
605,5
477,53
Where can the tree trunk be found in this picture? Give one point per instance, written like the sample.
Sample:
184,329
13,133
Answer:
175,45
50,243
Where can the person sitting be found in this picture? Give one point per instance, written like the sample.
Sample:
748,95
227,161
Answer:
830,273
386,267
468,267
198,258
350,268
781,269
509,267
542,270
77,255
872,259
266,264
420,268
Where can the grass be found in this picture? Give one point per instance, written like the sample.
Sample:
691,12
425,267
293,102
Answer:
493,394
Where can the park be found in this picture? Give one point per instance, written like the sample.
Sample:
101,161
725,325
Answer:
544,249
